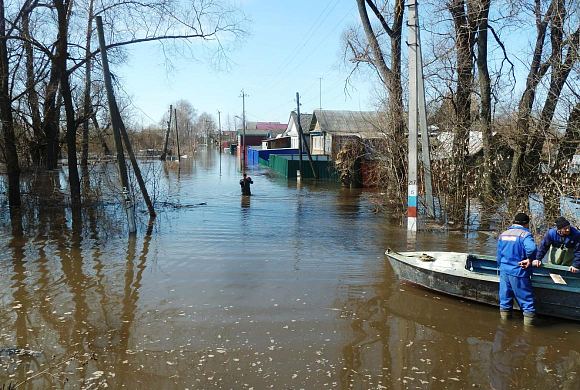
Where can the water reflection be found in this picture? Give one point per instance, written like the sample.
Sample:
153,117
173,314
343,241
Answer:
507,366
290,291
245,203
22,310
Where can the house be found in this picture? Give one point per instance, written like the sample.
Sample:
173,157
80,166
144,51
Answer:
258,131
329,130
278,142
442,144
292,129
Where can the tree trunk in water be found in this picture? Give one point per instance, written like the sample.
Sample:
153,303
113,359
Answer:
518,194
10,151
37,143
559,173
391,78
87,93
50,125
71,126
560,72
464,46
485,91
99,132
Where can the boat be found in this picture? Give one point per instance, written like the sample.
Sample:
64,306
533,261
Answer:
476,277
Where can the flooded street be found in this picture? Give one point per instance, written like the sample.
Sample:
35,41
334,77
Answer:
287,289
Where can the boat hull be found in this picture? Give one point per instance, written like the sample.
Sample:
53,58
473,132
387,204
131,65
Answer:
550,298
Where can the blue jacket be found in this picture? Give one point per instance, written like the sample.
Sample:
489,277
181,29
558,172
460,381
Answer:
513,246
571,240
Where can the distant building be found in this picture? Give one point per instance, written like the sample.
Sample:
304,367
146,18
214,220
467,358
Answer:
258,131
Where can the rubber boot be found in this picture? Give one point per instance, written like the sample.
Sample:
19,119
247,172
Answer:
505,314
530,319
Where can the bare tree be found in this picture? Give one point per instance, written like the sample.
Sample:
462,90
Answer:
385,60
562,55
55,48
7,121
465,24
485,92
518,195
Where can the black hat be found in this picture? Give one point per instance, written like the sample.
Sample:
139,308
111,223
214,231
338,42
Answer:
521,219
562,222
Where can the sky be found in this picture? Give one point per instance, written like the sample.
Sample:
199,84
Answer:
292,45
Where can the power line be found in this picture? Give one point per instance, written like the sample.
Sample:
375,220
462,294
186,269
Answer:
294,53
317,46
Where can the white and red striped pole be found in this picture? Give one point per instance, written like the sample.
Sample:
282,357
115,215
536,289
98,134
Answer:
412,200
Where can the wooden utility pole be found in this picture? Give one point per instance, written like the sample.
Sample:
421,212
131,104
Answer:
176,133
164,154
243,95
320,92
220,129
303,141
134,163
299,136
130,211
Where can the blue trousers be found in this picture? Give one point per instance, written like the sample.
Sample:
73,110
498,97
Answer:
511,287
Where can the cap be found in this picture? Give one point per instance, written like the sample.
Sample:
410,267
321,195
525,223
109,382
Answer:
562,222
521,219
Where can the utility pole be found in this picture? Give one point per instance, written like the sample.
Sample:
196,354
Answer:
412,24
220,144
417,120
320,92
425,147
177,134
220,129
299,136
130,211
164,154
135,165
243,96
303,142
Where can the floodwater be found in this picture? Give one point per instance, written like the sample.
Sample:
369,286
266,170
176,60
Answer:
288,289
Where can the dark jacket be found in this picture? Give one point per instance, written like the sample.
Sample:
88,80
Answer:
552,238
245,185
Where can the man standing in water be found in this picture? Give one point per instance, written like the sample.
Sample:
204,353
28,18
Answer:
562,243
516,252
245,184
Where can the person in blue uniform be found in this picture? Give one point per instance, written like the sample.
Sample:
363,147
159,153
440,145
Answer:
562,244
516,254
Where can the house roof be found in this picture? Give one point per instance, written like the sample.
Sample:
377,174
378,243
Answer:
262,128
361,123
305,120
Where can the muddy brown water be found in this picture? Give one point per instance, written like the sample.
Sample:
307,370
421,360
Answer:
288,289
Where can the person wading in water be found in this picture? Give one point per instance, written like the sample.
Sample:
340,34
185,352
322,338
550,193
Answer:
245,184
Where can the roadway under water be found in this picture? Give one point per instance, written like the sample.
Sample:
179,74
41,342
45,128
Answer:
287,289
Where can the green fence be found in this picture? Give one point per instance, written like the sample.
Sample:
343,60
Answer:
287,167
261,161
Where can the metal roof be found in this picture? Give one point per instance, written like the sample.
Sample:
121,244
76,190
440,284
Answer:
305,120
363,123
262,128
